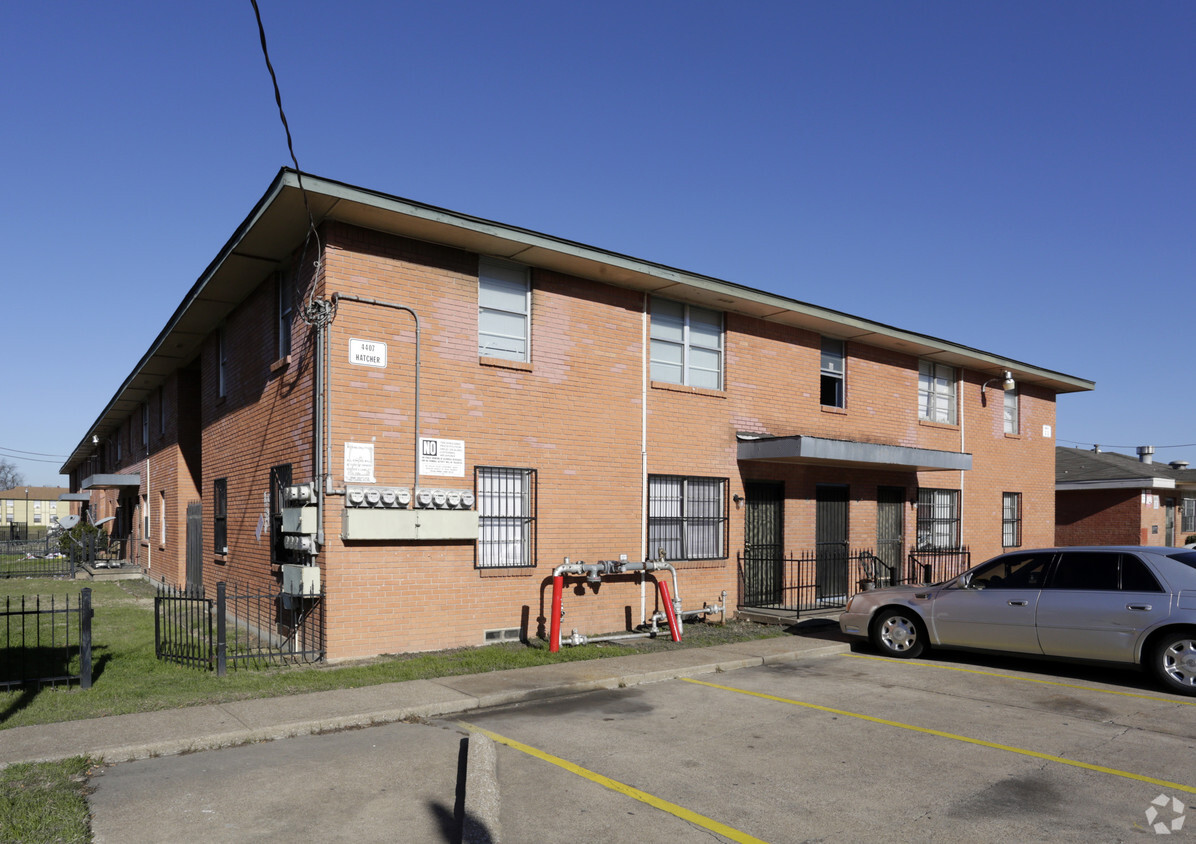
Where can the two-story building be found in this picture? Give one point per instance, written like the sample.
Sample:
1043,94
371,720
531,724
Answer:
467,403
30,510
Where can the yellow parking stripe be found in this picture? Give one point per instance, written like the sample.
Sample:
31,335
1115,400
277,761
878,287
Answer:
614,785
967,740
892,661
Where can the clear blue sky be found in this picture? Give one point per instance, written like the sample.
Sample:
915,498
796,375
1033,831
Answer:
1019,177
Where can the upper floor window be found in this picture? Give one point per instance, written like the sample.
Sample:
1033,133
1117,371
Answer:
504,310
286,310
220,515
687,344
832,372
221,361
145,424
1011,408
936,392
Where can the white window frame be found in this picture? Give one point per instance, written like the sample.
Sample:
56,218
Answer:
680,351
1011,405
506,501
833,368
286,311
936,392
504,310
687,517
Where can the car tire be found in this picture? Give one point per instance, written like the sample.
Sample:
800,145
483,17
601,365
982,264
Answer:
1174,661
900,633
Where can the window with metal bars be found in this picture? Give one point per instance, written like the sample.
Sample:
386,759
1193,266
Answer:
1011,519
687,517
220,515
938,518
1188,520
280,479
506,501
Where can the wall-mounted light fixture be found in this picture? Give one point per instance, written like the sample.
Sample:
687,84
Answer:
1007,383
738,499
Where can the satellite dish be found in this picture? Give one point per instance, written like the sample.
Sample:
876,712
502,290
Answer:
68,522
106,519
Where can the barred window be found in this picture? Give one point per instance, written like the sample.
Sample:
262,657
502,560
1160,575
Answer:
506,517
687,517
220,515
938,518
1188,522
280,479
1011,519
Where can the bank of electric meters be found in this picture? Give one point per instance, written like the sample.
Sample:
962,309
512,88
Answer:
400,498
300,519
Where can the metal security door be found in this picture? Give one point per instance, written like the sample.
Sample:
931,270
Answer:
763,543
1169,539
890,528
194,545
830,540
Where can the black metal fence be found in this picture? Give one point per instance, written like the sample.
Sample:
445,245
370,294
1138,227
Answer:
45,641
810,580
934,565
237,626
825,578
35,558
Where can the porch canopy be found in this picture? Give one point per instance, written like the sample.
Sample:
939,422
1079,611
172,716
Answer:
112,482
74,496
848,453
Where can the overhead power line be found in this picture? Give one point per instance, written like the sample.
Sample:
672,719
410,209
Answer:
35,453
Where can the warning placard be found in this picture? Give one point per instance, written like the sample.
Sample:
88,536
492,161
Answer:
443,458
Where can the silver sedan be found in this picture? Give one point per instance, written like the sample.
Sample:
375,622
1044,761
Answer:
1133,605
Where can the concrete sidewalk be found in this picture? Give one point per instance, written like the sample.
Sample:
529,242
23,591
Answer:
122,738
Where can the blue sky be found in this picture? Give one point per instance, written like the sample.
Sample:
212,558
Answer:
1014,176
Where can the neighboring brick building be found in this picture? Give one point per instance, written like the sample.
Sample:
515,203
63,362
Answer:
591,404
1105,498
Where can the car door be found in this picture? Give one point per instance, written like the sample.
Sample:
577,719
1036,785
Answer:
1097,603
993,606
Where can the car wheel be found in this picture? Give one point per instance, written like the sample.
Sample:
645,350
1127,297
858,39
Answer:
898,633
1175,662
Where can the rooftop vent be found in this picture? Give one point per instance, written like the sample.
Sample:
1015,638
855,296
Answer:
1178,464
1146,453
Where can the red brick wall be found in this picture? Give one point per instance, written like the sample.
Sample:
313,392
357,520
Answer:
574,414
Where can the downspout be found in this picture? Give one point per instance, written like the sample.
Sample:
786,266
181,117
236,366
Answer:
645,364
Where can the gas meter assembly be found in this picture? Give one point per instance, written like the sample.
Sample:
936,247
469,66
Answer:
300,529
373,512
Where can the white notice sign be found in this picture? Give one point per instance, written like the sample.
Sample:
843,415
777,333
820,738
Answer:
444,458
367,353
359,463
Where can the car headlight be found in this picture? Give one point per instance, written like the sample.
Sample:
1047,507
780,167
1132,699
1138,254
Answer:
850,601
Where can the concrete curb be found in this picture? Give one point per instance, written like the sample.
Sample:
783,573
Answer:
125,738
480,824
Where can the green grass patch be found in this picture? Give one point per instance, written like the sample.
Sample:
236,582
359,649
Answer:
127,677
45,801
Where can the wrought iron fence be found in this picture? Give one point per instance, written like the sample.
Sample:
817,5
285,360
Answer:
237,626
822,579
34,558
36,642
934,565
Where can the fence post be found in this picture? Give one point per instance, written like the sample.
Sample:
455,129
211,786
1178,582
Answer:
85,638
221,644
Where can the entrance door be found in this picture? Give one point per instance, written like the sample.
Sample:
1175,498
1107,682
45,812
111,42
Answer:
890,527
830,540
194,546
1169,539
763,543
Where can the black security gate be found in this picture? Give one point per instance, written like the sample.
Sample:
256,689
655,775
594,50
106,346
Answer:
890,527
830,541
195,545
763,544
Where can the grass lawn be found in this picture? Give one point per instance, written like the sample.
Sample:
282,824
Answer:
127,677
45,802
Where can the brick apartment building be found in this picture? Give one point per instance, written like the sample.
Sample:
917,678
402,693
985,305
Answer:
537,399
1106,498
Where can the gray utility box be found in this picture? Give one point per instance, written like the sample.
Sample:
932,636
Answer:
300,519
410,524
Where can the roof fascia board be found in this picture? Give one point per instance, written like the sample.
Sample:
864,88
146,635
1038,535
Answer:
1126,483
